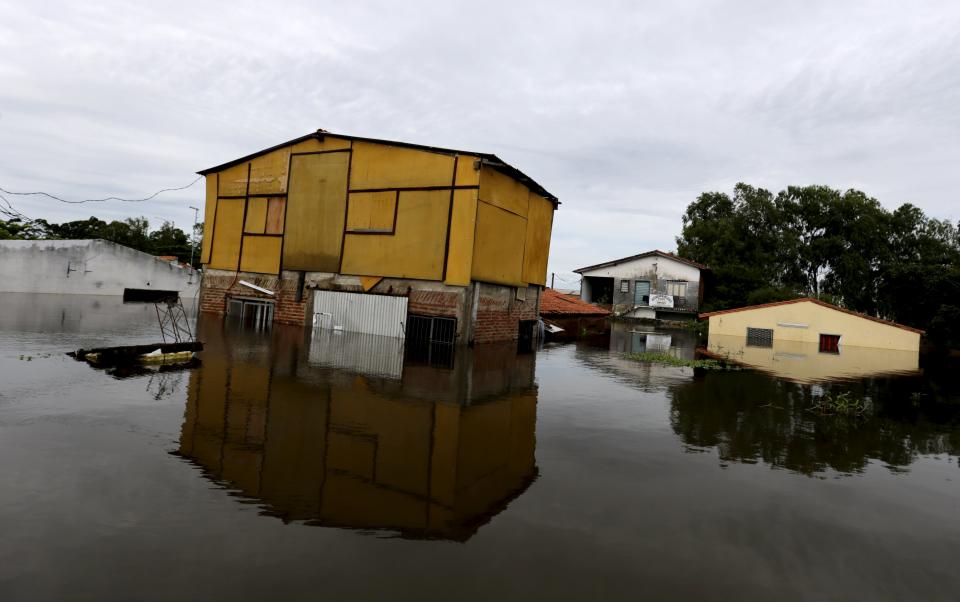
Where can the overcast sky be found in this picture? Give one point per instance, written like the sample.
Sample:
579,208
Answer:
624,110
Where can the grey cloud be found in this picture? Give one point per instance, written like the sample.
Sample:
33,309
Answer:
625,110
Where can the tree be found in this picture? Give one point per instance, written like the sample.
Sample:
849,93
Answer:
843,247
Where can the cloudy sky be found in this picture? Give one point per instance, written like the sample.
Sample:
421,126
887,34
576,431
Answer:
624,110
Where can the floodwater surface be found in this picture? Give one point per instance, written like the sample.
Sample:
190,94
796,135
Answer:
293,466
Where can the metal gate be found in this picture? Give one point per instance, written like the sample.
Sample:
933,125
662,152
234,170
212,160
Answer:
356,312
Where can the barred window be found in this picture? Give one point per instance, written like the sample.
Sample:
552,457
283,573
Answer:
759,337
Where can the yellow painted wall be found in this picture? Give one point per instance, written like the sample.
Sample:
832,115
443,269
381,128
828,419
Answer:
490,237
503,191
256,221
261,254
383,166
803,362
467,172
463,221
537,246
328,143
268,173
316,203
233,180
209,209
374,211
417,248
814,320
226,234
498,247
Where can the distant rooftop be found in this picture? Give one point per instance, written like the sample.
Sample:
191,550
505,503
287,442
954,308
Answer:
557,305
640,256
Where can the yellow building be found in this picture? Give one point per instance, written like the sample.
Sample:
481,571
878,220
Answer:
444,233
828,327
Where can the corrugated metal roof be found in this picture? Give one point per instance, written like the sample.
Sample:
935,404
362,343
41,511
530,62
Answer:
641,255
487,158
557,304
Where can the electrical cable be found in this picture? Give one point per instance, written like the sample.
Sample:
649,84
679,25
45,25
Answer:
109,198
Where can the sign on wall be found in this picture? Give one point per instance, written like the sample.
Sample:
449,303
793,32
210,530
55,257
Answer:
661,300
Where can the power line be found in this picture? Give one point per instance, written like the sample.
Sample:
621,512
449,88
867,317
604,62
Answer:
109,198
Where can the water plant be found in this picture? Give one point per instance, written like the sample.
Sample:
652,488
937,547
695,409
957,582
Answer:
843,404
670,360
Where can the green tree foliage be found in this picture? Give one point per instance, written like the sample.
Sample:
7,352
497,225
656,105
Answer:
132,232
843,247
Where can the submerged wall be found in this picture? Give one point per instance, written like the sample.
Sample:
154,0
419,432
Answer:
87,267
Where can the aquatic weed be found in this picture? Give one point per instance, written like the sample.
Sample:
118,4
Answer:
844,404
669,360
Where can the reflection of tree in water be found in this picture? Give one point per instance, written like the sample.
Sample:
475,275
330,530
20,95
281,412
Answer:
750,417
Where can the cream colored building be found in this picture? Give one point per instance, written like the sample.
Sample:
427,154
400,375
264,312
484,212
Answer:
805,320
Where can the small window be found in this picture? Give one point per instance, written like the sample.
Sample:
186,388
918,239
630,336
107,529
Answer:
829,343
759,337
624,286
675,288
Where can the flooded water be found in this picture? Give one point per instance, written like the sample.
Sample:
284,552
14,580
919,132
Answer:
296,467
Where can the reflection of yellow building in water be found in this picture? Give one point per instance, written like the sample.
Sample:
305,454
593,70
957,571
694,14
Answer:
459,234
424,456
804,362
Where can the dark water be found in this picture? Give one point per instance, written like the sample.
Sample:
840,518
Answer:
290,468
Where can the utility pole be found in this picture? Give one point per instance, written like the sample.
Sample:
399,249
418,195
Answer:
552,276
193,233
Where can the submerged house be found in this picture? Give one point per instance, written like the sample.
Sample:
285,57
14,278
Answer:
826,328
654,285
379,237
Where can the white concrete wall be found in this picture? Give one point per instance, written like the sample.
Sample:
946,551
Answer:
653,268
87,267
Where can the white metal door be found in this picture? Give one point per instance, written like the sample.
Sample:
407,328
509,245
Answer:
356,312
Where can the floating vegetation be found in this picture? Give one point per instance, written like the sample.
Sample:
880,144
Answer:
669,360
843,404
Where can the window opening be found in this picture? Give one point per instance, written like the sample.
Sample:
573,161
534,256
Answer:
759,337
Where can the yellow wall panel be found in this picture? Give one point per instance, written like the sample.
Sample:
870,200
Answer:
498,247
261,254
503,191
463,222
209,212
226,234
276,208
233,181
268,173
382,166
316,203
371,211
328,143
467,174
537,247
256,221
415,250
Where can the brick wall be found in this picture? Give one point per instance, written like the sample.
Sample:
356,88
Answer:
434,303
499,313
217,288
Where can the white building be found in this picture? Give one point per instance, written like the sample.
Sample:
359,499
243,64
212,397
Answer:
88,267
653,285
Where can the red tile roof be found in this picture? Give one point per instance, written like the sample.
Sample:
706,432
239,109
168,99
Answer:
818,302
553,303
